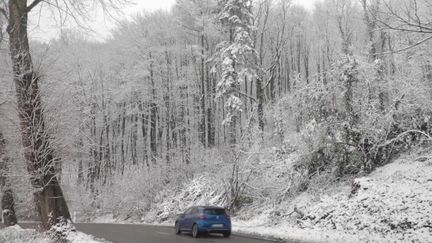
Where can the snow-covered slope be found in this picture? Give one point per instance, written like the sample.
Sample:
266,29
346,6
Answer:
393,204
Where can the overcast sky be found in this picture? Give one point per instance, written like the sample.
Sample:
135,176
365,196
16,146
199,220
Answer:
43,27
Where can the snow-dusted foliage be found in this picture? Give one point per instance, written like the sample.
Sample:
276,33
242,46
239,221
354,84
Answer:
266,179
237,56
65,232
156,194
343,124
204,189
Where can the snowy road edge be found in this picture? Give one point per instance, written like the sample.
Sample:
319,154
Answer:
236,232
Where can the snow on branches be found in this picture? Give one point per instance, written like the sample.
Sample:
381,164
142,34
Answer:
236,56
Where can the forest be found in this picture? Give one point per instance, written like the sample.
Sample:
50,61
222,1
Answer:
238,103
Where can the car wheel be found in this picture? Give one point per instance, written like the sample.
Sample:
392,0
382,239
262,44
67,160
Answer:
195,232
177,228
227,234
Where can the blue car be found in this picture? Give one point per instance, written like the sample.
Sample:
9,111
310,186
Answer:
203,219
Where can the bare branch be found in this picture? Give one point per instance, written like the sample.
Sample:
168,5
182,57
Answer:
405,133
247,96
33,4
405,22
406,48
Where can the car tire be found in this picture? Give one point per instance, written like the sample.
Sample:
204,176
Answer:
227,234
195,231
177,228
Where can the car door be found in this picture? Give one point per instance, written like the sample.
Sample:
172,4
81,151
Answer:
193,217
184,219
188,219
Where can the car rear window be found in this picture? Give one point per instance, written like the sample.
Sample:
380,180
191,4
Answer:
214,211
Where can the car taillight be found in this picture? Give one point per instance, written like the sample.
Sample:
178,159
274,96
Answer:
202,216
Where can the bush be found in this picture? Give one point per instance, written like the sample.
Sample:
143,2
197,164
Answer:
355,121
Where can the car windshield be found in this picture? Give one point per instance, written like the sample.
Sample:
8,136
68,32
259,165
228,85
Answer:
214,211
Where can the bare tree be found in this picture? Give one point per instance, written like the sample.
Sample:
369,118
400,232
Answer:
38,150
344,10
409,16
370,13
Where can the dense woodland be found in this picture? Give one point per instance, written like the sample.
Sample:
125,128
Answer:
231,88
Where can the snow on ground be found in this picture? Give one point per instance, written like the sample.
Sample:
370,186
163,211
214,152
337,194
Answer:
16,234
283,230
79,237
287,232
393,204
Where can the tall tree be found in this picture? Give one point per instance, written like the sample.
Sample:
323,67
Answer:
38,151
236,57
262,19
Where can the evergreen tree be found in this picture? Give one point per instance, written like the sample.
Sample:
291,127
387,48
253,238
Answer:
236,56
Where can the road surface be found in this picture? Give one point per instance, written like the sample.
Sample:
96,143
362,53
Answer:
127,233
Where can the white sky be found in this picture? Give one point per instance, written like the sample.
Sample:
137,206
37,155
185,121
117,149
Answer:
43,27
306,3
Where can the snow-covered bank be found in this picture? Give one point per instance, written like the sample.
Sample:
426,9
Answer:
286,232
16,234
393,204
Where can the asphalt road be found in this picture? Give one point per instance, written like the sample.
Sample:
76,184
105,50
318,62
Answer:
127,233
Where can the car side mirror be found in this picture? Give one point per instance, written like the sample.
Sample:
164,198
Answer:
181,215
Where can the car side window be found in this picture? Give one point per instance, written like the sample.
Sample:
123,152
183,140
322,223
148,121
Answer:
188,211
195,211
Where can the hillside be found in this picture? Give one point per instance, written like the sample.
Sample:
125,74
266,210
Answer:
392,204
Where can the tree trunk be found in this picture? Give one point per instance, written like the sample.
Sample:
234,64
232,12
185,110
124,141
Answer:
306,63
188,125
211,109
167,99
134,138
144,127
122,143
259,89
260,105
93,150
7,200
153,115
371,25
204,79
38,151
80,162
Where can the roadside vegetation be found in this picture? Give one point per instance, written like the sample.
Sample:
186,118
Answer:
287,117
